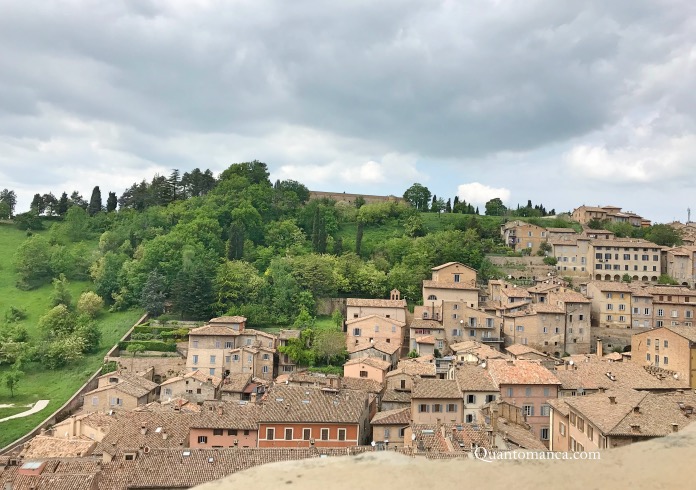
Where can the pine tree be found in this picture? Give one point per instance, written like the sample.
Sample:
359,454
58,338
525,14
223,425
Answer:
455,205
175,183
432,204
111,202
37,204
153,295
95,202
448,206
63,204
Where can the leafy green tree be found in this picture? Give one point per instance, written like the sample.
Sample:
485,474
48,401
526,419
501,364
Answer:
95,202
63,351
667,280
5,211
90,304
154,295
32,262
61,294
50,204
359,202
28,221
495,207
87,330
330,344
236,283
76,199
438,205
418,196
76,224
235,241
37,204
197,183
299,350
337,318
12,379
134,350
254,172
359,238
9,197
58,322
663,235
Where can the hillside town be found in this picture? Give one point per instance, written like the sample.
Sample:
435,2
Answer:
591,356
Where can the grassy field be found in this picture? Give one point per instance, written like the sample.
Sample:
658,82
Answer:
39,383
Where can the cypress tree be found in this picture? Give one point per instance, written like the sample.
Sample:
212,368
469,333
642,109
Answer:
95,202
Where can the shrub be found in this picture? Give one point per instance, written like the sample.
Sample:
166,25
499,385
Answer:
151,345
15,314
90,304
550,260
109,367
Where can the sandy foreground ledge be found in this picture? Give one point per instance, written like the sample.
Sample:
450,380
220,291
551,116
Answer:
660,463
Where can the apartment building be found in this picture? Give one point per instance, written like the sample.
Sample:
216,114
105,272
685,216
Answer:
230,424
520,235
572,254
610,304
617,417
672,305
642,311
423,329
452,281
257,361
637,258
436,400
195,386
527,385
585,214
477,388
680,264
119,390
393,308
375,328
389,427
670,348
461,322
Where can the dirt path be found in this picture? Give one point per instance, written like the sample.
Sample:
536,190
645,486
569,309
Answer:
40,405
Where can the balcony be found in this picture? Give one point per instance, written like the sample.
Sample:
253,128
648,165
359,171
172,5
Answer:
491,340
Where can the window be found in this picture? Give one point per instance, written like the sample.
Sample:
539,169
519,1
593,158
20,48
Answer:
622,307
547,392
199,391
520,328
288,434
666,344
666,360
546,330
658,323
217,344
437,407
95,399
440,344
544,433
341,434
590,432
195,344
452,407
509,392
235,357
202,439
248,341
646,311
324,434
231,432
456,278
403,384
610,307
363,374
356,332
581,424
572,418
265,369
609,318
266,357
608,295
472,333
528,391
456,332
211,371
581,317
490,398
648,343
195,359
423,408
561,428
270,434
386,433
647,357
545,410
228,359
471,398
469,419
660,312
249,358
432,297
306,434
228,345
528,410
454,316
217,432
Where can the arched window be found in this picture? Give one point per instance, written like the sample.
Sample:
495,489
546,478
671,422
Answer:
432,297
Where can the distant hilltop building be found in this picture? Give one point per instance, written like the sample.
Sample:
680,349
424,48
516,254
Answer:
585,214
350,198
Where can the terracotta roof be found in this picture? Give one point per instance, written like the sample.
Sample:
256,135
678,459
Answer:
129,384
688,333
287,403
125,431
228,415
447,264
370,361
559,405
376,303
55,447
436,388
515,293
426,339
471,377
228,319
520,372
197,375
656,414
520,350
569,297
396,396
478,349
610,286
361,384
399,416
623,242
561,230
380,345
670,291
547,308
236,383
614,356
431,324
413,368
599,409
449,285
216,330
593,373
368,317
519,435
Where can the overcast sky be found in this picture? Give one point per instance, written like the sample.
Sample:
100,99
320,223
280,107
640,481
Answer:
560,102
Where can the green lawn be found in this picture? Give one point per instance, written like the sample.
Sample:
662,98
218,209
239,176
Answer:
39,383
9,411
58,386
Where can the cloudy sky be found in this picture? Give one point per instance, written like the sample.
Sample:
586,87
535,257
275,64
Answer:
562,103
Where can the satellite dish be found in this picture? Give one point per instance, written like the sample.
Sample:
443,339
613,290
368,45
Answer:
461,321
413,437
373,443
571,362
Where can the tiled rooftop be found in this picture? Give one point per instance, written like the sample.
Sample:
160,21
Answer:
287,403
471,377
376,303
392,417
520,372
436,388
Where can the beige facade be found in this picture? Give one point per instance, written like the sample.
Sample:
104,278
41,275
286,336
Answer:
375,328
435,401
520,235
393,308
542,327
257,361
367,368
420,329
670,348
378,350
639,259
120,391
195,386
672,305
572,254
461,322
610,304
389,427
451,282
585,214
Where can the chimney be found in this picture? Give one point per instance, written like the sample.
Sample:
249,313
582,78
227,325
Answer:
635,428
612,400
510,362
219,410
602,389
636,409
252,398
675,427
165,436
599,347
143,429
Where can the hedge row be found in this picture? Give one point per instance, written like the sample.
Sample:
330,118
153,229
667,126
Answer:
146,329
151,345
